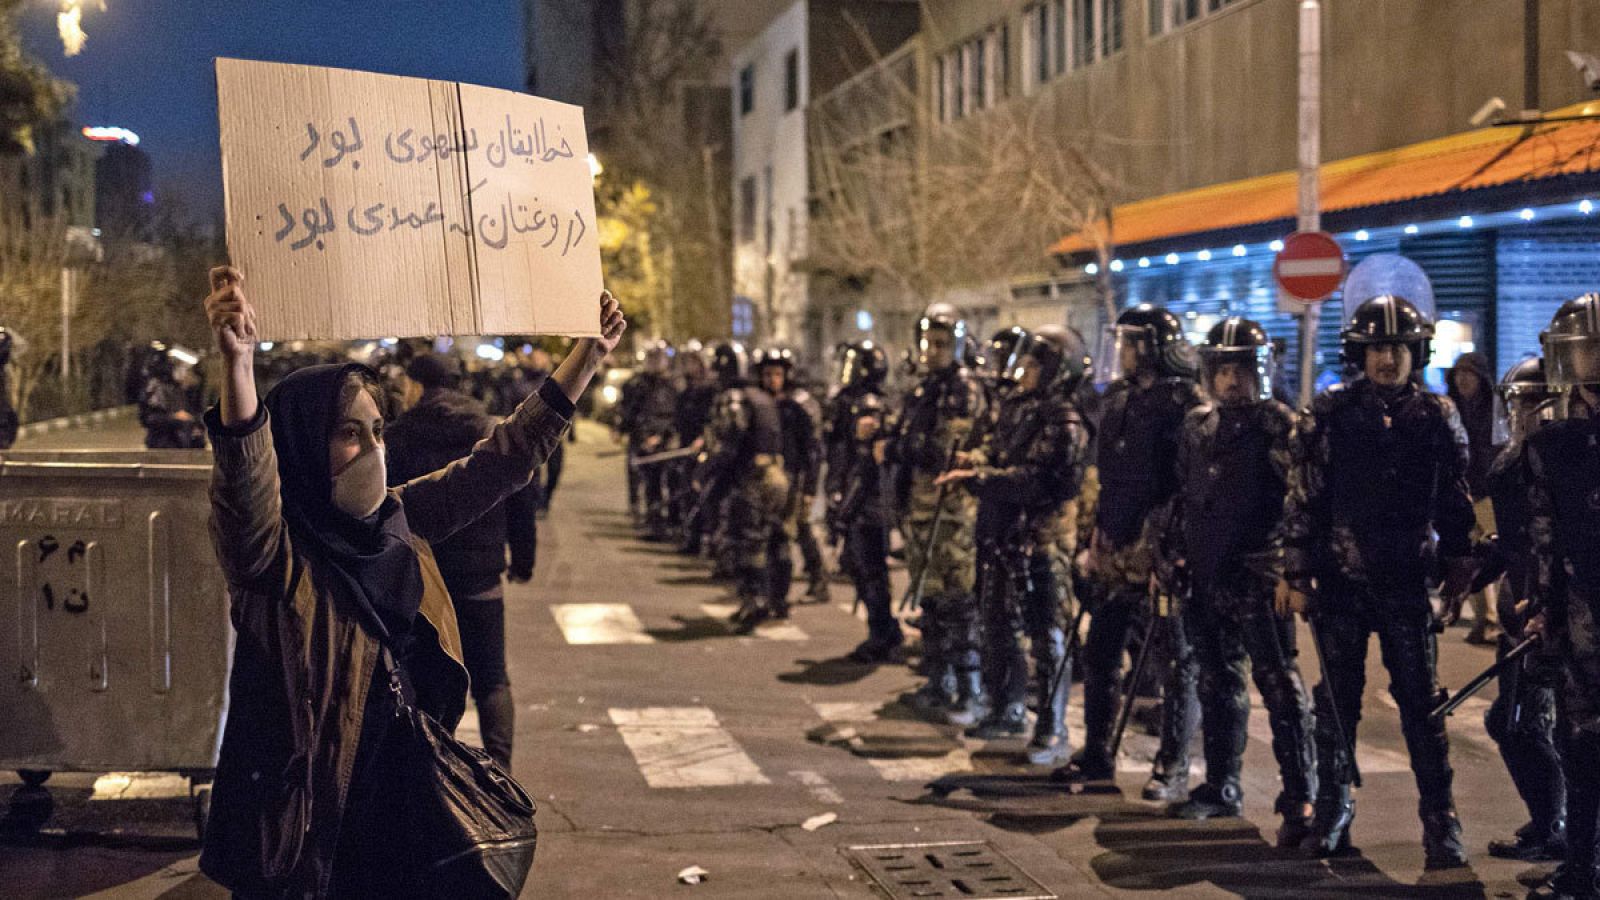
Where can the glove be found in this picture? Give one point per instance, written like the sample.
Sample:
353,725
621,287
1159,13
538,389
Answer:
1457,584
1287,600
520,577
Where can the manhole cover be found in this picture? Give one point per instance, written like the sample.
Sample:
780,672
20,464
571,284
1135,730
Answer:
972,870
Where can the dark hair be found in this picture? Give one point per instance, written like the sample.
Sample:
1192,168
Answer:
354,383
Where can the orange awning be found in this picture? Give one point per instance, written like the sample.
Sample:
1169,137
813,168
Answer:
1476,159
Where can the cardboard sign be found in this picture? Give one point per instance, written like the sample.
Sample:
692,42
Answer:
363,205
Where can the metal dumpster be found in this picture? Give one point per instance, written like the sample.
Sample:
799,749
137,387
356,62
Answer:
114,633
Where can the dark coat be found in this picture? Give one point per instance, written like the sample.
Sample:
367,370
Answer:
303,661
443,427
1477,417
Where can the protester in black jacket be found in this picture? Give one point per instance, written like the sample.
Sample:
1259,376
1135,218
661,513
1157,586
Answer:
441,428
8,416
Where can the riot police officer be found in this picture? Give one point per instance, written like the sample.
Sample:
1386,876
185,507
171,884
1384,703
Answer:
1027,475
697,393
1136,453
935,421
860,518
1379,464
863,367
801,418
1523,718
744,464
168,411
646,410
1233,467
1564,510
8,415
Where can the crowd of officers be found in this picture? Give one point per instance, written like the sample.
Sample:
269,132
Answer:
1187,515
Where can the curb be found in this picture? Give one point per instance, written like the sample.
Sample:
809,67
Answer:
77,420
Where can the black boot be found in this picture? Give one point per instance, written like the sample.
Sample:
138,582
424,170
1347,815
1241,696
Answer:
877,649
1441,841
1054,676
1533,843
1296,824
937,694
1167,787
1568,883
972,702
1334,813
1085,766
817,591
497,716
1211,801
1005,720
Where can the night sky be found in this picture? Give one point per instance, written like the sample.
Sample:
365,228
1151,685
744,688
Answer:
147,64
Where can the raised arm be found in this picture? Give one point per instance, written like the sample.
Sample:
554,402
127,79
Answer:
246,513
442,503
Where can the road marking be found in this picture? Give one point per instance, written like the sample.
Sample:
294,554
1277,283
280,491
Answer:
821,789
600,623
846,715
140,786
772,631
684,747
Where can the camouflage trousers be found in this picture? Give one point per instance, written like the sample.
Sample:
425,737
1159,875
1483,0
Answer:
946,565
754,539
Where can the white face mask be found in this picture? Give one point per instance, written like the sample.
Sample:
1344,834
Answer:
360,487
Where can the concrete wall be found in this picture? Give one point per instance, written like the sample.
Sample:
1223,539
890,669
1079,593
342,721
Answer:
1214,100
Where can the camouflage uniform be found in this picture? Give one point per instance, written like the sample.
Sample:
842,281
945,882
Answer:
744,453
1029,474
937,417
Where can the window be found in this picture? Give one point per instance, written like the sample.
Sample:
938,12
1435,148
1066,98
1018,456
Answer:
747,89
791,80
942,96
1166,15
747,208
977,75
1058,33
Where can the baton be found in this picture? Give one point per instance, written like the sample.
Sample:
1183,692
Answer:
1482,678
913,597
1333,703
640,462
1132,684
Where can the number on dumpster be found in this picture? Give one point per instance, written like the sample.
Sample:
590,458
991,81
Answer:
70,571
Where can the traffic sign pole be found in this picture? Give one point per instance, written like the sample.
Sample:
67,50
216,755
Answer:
1310,158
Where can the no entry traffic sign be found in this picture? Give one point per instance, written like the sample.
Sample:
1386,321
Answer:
1310,266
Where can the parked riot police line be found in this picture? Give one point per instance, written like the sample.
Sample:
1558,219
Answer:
1215,514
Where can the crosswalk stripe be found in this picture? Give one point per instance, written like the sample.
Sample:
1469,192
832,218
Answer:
684,747
846,714
140,786
772,631
821,789
600,623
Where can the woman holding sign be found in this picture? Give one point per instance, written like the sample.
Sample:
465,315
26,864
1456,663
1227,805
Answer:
333,587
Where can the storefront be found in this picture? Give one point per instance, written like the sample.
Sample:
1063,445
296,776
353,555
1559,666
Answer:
1503,221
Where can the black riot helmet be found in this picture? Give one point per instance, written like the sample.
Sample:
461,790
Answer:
1152,339
1237,341
1524,401
941,318
1388,319
1572,345
657,357
773,357
862,363
731,362
1060,352
994,362
157,363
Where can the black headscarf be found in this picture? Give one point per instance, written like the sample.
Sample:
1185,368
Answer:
369,560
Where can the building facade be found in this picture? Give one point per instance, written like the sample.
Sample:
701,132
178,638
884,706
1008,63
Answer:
808,50
1191,108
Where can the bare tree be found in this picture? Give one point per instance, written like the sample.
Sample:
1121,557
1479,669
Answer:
930,206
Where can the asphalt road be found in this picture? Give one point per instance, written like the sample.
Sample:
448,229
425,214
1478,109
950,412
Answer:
655,740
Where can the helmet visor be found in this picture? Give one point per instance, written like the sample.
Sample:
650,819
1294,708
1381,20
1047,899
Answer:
1124,351
1233,375
1572,360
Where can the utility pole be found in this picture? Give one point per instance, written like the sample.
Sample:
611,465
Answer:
1310,159
1530,54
